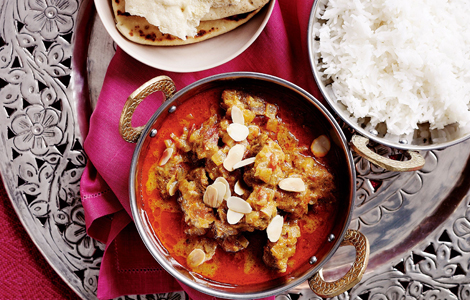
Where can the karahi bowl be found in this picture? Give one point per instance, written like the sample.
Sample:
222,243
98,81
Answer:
193,57
294,97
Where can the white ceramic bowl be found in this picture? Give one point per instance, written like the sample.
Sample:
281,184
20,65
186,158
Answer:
189,58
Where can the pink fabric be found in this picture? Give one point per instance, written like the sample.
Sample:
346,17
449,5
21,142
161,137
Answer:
127,267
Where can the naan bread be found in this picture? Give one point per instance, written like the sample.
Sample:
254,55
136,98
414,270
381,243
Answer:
139,30
242,7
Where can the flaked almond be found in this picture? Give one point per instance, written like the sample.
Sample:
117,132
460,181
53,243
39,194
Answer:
210,197
237,116
238,189
320,146
244,162
292,184
237,132
172,187
234,217
239,205
274,228
235,155
228,193
220,186
196,258
165,156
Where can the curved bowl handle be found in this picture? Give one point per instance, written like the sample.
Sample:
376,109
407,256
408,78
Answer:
330,289
416,161
161,83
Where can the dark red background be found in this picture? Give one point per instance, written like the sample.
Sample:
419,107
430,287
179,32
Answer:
24,272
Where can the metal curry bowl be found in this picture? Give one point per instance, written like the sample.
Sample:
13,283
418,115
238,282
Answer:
339,235
422,139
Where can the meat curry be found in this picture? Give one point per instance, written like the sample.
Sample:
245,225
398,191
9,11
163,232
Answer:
235,189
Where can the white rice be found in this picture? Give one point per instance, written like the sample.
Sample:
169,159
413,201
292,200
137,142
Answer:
400,62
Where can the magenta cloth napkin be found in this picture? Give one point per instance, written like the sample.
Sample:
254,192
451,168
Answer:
127,267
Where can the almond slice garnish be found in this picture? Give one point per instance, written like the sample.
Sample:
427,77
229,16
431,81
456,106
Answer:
172,188
235,155
239,205
165,156
210,197
292,184
220,186
320,146
237,132
244,162
237,115
196,258
234,217
238,189
228,193
274,228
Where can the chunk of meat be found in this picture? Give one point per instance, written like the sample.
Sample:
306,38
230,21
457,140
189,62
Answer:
191,230
204,141
234,243
208,246
318,185
295,203
250,179
318,181
215,171
277,254
166,175
238,98
287,140
182,141
228,235
255,146
196,213
199,176
264,208
222,230
256,142
268,163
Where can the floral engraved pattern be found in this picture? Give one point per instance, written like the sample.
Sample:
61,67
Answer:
36,130
380,192
462,231
43,155
76,233
50,17
43,161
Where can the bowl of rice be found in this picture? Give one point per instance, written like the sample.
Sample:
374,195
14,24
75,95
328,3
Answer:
398,72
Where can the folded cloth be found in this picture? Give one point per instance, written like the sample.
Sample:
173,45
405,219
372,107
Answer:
127,267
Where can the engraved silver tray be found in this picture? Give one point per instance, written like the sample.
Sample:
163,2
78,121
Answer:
53,57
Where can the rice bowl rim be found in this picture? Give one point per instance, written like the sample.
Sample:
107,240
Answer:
345,115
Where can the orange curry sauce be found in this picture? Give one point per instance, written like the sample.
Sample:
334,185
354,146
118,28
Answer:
247,266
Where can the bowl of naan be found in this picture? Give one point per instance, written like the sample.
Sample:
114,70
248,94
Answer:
184,35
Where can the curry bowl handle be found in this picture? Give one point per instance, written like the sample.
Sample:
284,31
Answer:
161,83
415,162
330,289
